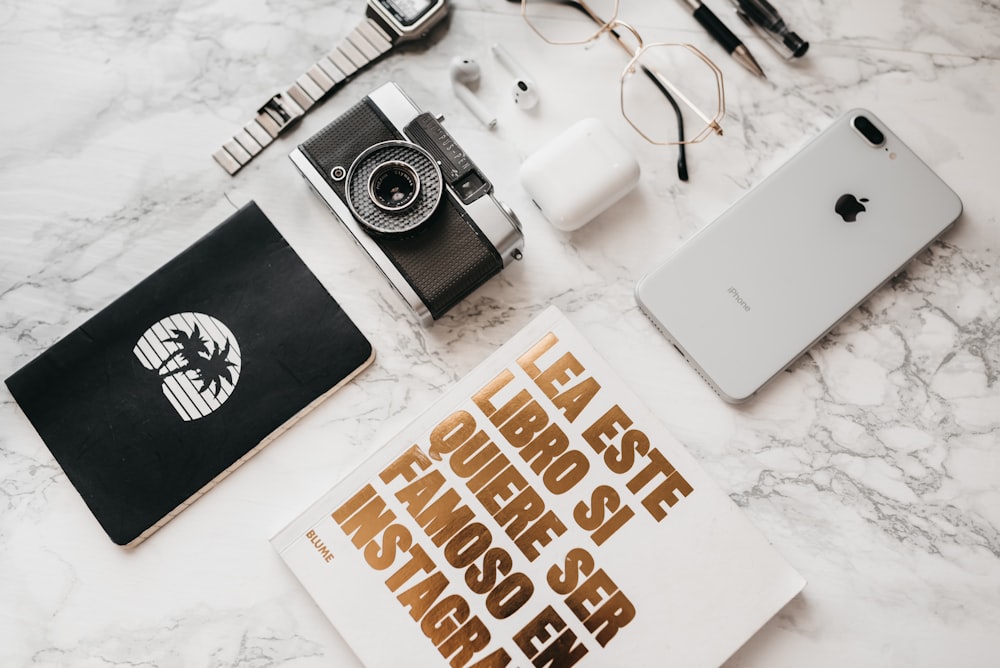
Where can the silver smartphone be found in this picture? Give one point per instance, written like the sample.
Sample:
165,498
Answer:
756,288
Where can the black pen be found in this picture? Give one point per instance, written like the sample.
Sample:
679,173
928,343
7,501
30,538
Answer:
761,14
724,36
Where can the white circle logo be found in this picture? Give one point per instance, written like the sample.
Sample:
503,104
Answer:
197,360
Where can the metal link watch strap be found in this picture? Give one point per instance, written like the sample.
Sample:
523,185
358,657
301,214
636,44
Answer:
365,43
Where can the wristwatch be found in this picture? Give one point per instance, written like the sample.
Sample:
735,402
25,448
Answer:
386,24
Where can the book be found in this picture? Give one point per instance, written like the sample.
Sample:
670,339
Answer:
536,515
187,375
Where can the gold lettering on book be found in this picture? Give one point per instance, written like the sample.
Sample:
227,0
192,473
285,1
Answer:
497,484
554,380
433,520
611,436
596,601
547,641
320,546
604,515
435,508
444,618
540,442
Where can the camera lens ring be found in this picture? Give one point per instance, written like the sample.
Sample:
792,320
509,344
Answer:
408,168
394,186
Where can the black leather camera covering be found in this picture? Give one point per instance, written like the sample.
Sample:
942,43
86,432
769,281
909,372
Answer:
447,257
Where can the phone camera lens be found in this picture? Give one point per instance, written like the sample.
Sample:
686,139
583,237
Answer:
868,130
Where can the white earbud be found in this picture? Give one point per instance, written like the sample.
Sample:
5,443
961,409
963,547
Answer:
464,77
524,90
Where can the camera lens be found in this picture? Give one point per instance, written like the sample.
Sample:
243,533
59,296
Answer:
868,130
394,186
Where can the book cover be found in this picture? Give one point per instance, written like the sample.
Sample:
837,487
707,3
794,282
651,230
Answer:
173,385
537,515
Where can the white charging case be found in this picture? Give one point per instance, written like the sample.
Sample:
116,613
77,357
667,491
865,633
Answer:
579,174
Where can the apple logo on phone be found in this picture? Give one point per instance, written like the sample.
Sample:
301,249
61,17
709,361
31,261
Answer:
848,207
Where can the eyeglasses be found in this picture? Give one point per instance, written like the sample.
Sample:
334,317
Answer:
694,88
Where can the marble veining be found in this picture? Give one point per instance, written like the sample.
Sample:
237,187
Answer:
872,464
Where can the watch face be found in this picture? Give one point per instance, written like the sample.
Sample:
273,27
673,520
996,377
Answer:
408,12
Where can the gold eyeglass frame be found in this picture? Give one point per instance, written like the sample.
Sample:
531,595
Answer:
712,122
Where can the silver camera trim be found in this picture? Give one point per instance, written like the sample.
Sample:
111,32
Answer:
343,214
495,220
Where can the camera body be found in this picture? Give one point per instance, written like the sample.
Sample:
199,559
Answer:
412,200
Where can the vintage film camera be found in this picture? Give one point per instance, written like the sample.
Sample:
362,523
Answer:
412,199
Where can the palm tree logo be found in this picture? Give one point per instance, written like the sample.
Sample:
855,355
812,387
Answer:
195,357
192,350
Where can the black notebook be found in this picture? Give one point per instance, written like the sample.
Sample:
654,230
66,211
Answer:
163,393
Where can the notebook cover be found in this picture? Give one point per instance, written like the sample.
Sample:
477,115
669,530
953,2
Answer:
183,378
537,514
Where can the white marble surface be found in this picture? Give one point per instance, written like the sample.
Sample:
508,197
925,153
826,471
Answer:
874,465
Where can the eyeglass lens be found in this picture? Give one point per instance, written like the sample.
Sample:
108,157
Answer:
666,88
690,81
557,23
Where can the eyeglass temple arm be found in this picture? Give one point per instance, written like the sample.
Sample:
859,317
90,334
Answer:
682,171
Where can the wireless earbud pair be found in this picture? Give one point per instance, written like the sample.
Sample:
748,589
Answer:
465,75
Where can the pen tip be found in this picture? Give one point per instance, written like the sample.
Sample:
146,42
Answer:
746,59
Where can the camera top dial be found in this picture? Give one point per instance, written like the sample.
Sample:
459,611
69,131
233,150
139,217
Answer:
393,187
